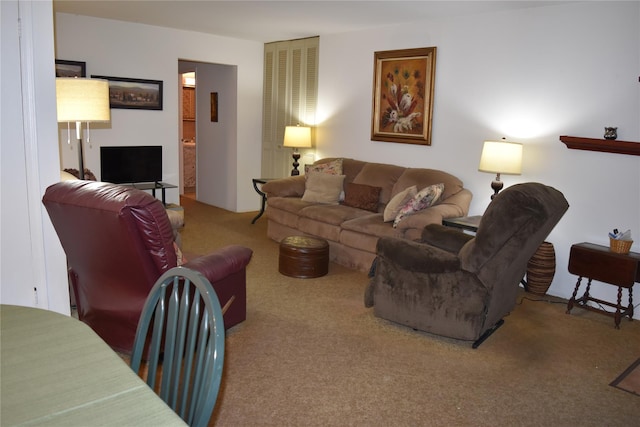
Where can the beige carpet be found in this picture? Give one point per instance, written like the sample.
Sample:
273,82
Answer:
311,354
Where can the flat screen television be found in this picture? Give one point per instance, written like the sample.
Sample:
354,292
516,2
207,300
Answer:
130,164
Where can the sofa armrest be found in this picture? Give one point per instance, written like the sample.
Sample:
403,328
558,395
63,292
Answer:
456,205
221,263
417,256
292,186
445,238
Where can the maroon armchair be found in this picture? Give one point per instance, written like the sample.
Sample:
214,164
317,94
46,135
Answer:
118,242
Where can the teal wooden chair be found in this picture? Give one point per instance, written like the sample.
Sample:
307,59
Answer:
180,343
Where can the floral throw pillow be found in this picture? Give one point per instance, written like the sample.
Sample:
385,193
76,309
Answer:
333,167
180,258
425,198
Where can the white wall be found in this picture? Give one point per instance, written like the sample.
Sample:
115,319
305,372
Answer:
122,49
33,268
530,76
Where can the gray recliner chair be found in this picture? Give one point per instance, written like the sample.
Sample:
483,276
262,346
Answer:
458,285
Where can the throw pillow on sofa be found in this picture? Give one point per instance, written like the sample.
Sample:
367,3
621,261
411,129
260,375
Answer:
362,196
323,188
397,202
334,167
427,197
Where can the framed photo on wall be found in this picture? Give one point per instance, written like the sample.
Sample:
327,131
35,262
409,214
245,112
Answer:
135,94
70,68
403,83
214,106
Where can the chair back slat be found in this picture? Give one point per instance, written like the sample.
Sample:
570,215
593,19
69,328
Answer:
192,338
180,353
172,361
201,357
156,340
188,326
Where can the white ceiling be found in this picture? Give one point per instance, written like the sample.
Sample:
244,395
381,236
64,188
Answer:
270,20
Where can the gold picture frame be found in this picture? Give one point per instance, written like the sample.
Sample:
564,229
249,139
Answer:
403,82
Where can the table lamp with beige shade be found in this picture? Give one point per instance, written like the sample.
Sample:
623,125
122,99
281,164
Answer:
500,157
297,137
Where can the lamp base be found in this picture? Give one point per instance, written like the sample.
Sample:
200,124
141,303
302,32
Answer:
80,159
497,185
296,157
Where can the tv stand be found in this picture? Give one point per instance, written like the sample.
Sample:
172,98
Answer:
153,186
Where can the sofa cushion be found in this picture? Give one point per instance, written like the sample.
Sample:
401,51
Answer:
427,197
363,232
332,214
397,202
380,175
323,188
422,178
362,196
289,204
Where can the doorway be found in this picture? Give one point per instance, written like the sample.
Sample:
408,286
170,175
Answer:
188,134
215,132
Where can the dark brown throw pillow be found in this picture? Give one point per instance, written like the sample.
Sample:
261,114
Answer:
362,196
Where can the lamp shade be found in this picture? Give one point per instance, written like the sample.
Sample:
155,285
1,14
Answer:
501,157
297,136
82,100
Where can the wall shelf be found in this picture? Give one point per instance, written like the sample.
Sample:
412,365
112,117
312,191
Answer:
602,145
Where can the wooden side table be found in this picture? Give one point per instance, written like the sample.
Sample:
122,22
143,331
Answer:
596,262
255,182
469,223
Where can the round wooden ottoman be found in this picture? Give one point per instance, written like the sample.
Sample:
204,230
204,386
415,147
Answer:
304,257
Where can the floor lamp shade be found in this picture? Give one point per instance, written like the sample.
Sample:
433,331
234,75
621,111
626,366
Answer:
82,100
501,157
297,137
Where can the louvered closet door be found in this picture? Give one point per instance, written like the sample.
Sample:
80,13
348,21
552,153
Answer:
290,98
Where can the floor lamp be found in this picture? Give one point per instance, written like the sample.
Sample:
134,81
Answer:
297,137
82,100
500,157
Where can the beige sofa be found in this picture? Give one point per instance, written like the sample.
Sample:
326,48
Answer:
353,232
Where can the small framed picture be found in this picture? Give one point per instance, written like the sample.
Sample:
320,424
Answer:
214,106
134,94
403,83
70,68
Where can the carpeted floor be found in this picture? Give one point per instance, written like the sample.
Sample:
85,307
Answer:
311,354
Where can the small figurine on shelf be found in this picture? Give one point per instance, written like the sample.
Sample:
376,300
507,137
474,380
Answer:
610,133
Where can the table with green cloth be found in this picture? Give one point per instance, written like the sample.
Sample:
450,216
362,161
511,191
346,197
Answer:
57,371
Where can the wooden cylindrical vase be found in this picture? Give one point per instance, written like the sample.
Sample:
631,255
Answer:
541,269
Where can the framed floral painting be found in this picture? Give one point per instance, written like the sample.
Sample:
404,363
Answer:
403,83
